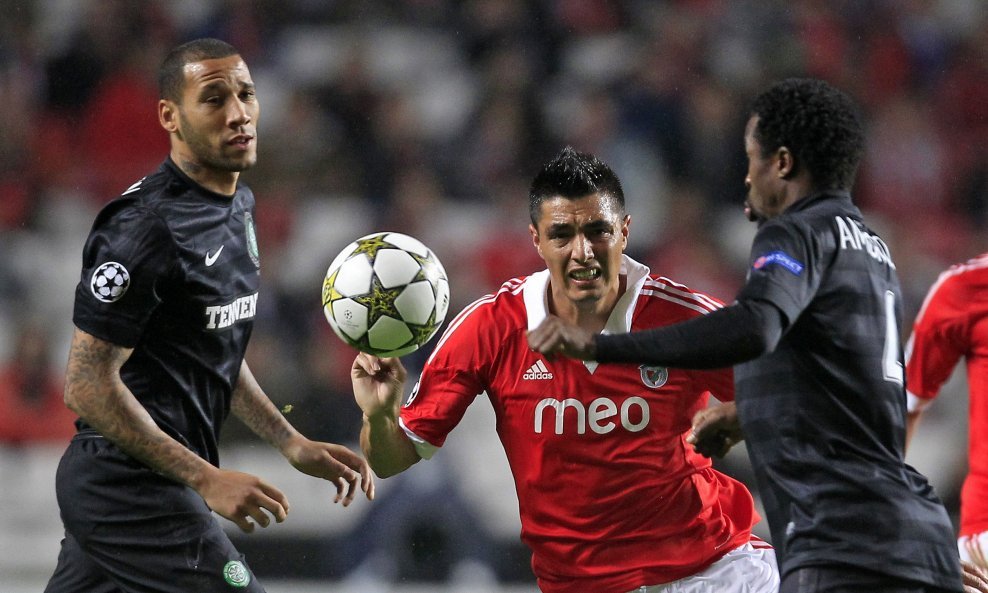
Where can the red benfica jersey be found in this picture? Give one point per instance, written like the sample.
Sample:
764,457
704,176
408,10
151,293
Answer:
953,324
611,497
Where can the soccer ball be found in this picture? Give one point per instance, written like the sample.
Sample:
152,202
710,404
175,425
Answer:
386,294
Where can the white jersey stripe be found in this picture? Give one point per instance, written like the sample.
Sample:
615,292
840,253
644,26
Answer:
514,286
678,290
969,266
672,299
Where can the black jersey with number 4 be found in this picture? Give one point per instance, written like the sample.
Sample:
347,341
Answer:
824,414
171,270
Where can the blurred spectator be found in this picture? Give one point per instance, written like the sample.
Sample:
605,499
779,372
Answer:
31,407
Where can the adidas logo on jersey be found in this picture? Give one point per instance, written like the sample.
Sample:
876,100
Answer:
537,371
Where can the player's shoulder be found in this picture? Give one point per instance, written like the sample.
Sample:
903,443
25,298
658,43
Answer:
962,283
141,195
974,269
487,318
499,303
662,291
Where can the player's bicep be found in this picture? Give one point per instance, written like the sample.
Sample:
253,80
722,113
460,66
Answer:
93,372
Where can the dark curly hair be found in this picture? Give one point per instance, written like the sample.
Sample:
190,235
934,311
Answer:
573,174
818,123
171,77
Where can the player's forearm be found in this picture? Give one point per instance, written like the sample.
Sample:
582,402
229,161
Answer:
94,391
386,446
253,407
912,421
723,338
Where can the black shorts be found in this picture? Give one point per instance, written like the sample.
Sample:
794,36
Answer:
849,579
129,529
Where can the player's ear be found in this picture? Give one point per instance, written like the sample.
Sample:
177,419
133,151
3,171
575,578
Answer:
535,238
168,115
625,228
785,162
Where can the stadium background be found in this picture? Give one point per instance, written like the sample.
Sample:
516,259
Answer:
430,117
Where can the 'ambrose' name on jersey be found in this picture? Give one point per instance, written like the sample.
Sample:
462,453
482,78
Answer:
852,236
223,316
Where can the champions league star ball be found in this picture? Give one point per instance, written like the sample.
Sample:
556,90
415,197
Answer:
386,294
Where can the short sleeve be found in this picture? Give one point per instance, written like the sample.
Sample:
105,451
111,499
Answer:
124,263
450,381
783,269
937,343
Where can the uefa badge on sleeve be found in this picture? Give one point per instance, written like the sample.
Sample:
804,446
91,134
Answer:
109,282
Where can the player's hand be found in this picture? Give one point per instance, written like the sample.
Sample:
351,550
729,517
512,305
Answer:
715,430
242,498
378,383
975,578
555,335
335,463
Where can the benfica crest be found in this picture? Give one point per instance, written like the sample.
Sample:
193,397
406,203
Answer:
653,376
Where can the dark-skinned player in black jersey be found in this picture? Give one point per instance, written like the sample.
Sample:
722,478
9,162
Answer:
814,334
163,313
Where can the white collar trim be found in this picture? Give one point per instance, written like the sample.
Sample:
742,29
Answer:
536,297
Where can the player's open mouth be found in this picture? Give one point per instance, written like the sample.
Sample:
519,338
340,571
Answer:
241,141
585,274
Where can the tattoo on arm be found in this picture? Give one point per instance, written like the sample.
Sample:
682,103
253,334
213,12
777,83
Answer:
253,407
95,391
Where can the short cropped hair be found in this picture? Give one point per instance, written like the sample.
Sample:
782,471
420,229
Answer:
571,174
171,75
818,123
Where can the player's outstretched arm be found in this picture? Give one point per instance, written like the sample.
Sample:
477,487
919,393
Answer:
95,391
332,462
378,385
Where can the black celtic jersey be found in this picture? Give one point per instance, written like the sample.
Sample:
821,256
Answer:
171,270
824,413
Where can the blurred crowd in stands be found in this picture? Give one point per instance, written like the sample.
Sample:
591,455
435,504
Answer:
430,117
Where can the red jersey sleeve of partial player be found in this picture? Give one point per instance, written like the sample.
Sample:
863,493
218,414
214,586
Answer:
939,338
452,378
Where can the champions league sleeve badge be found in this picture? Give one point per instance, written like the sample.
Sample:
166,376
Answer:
109,282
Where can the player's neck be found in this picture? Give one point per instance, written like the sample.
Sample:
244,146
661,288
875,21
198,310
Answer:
591,315
215,180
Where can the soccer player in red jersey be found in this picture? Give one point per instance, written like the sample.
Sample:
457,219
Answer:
953,324
612,497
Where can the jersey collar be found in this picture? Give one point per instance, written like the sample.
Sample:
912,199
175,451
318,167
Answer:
535,292
192,185
536,295
827,194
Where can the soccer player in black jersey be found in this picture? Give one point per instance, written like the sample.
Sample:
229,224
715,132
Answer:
814,333
163,313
